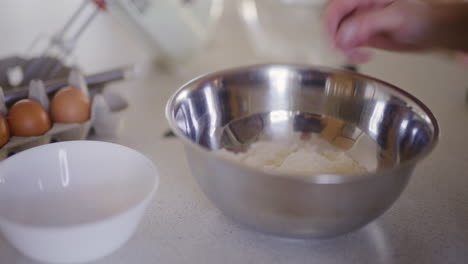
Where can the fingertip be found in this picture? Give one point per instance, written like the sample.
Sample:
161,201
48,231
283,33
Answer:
334,13
358,56
347,36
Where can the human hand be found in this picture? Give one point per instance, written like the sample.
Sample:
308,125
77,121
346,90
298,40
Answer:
395,25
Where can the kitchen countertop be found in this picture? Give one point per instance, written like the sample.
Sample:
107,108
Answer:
427,224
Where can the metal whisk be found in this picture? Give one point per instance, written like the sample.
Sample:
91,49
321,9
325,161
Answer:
61,45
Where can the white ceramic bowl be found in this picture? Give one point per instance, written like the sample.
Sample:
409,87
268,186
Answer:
74,201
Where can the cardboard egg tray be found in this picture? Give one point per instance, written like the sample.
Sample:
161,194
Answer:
105,120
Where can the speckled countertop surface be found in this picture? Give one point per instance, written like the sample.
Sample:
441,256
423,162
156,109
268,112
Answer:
428,224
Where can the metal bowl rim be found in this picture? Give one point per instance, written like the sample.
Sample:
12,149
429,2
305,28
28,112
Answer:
303,177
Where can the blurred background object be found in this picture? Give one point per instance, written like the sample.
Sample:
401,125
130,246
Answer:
289,31
175,29
49,56
187,36
263,31
24,21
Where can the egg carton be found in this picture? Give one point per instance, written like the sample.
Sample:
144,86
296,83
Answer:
105,119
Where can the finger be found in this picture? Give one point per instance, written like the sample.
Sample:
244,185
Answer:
386,43
358,56
358,29
337,10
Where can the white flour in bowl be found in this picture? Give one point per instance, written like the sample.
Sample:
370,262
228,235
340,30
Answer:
295,158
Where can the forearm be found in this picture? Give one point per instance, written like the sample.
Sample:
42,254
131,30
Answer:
449,29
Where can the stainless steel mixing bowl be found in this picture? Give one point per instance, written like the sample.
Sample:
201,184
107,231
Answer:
380,125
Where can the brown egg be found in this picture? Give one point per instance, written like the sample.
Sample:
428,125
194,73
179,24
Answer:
28,118
4,131
70,105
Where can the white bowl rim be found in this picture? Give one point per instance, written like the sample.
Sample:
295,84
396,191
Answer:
101,220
